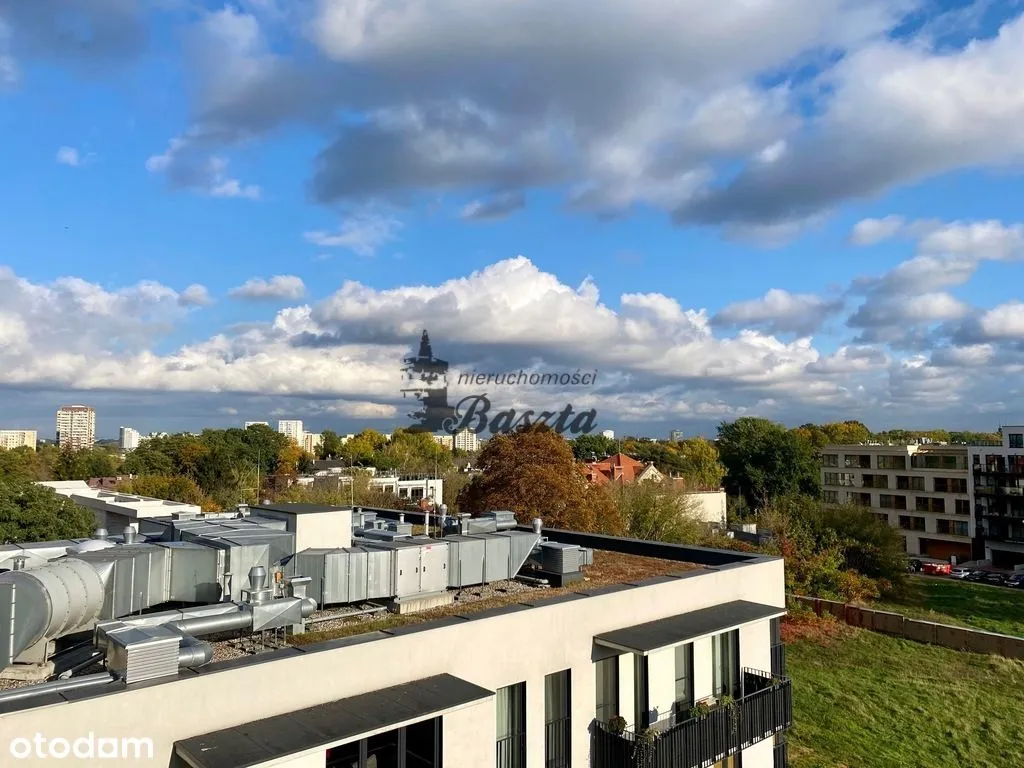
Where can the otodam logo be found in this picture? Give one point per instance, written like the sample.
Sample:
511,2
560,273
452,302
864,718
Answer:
426,378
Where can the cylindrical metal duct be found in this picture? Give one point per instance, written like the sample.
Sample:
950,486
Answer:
129,535
53,600
100,533
194,653
538,525
87,681
19,563
257,578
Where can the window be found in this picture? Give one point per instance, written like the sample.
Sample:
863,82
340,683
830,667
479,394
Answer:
831,478
928,504
908,483
909,523
860,499
892,462
882,517
950,485
846,478
1016,440
876,481
830,459
892,501
510,704
607,673
830,497
857,461
557,732
725,663
414,746
684,681
951,527
933,461
963,507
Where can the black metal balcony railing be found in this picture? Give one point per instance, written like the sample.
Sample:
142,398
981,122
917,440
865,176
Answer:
512,751
764,709
781,751
557,743
779,660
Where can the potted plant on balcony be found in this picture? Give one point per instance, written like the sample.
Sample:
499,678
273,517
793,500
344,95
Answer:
703,707
617,725
729,703
643,747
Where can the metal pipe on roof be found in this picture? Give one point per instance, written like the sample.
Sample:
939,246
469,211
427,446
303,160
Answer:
58,686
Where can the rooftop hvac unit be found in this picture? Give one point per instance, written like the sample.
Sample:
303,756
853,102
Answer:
560,558
385,535
142,653
402,528
588,556
503,519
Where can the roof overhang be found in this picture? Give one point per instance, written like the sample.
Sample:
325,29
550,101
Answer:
686,627
269,740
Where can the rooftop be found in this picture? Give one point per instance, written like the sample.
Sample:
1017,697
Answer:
296,508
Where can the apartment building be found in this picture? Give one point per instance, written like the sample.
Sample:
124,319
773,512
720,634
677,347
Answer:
607,673
129,439
997,498
466,441
920,489
76,426
18,438
445,441
291,428
311,441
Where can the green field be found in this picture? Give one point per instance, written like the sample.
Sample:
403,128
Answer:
866,700
994,609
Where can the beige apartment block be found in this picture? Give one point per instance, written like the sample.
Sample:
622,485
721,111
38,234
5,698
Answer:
920,489
997,497
18,438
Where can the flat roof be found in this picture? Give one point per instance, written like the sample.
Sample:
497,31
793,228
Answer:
275,737
675,630
298,508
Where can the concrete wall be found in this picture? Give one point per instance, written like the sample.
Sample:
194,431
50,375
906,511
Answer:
946,635
492,652
710,505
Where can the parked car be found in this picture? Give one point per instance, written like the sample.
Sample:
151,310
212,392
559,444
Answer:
976,575
936,569
993,577
1015,580
960,572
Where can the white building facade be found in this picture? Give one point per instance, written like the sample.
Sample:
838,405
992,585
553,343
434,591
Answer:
466,441
130,439
997,498
18,438
76,426
291,428
534,684
311,441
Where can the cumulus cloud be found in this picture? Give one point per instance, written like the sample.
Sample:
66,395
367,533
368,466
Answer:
497,207
279,287
362,233
780,311
195,296
186,165
874,231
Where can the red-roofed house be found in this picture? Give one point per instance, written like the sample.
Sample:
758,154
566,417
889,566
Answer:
620,468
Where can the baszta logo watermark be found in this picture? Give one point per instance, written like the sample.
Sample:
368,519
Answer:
426,378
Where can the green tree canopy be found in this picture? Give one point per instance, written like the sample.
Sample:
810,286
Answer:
30,512
591,447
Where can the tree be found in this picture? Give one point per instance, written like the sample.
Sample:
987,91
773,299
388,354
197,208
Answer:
30,512
170,487
591,447
330,445
655,512
533,473
415,452
701,467
765,461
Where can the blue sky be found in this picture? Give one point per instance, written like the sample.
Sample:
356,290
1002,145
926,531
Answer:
713,214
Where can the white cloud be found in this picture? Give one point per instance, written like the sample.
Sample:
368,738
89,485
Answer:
195,296
362,233
69,156
186,165
278,287
1005,321
780,312
874,231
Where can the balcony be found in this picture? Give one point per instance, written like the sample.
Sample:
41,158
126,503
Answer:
764,709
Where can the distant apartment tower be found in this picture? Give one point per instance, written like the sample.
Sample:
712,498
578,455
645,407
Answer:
291,428
254,423
997,498
609,433
676,435
445,441
17,438
920,489
465,441
130,439
76,426
311,441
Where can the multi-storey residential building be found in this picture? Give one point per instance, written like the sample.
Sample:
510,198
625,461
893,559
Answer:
676,435
445,441
920,489
292,428
311,441
130,439
466,441
17,438
76,426
254,423
997,498
605,673
609,433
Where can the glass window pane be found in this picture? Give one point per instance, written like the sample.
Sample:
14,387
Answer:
607,680
382,750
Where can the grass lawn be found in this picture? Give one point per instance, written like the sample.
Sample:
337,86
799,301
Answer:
995,609
866,700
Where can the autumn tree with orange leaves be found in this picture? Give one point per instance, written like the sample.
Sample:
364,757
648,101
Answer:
533,473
